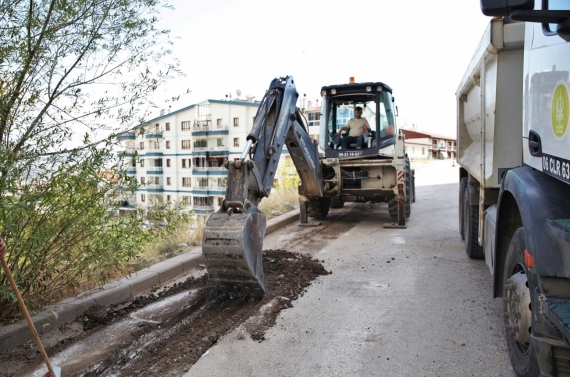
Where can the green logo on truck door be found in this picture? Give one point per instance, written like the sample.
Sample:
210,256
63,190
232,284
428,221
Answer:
560,110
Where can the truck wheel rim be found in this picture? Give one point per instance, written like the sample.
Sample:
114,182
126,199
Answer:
519,312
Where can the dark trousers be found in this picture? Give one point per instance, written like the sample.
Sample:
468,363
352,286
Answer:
346,141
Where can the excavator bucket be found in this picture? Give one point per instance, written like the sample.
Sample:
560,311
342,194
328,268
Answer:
232,248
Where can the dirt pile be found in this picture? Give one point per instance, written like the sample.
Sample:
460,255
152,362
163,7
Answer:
172,346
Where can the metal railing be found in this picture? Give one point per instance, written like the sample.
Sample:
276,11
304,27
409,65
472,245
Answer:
209,168
155,186
154,168
210,149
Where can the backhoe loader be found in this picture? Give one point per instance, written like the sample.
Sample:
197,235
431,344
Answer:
330,175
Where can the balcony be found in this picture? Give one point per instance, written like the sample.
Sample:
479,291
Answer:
314,123
127,136
155,187
132,171
210,170
154,170
212,151
203,210
205,130
126,152
154,153
153,136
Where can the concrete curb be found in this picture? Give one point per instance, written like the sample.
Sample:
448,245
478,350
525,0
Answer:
116,292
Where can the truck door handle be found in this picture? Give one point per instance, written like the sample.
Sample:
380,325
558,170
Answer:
534,144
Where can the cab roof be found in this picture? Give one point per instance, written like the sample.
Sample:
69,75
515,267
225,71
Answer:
357,86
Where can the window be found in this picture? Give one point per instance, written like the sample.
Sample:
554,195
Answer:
143,181
167,144
203,143
156,128
236,122
220,142
236,142
202,182
186,144
141,145
167,196
168,181
423,151
186,126
220,201
186,163
219,123
154,145
142,163
143,197
186,182
186,200
167,162
167,126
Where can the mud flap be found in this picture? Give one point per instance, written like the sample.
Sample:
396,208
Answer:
232,247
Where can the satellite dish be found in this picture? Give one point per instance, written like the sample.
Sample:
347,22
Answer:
238,93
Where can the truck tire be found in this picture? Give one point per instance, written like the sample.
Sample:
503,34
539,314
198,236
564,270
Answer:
318,207
471,228
517,308
462,188
337,202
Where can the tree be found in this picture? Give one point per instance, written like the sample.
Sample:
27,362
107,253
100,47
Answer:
68,68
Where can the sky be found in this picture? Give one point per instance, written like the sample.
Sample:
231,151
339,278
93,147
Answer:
419,48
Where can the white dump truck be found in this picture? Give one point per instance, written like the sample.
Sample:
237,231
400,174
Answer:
514,197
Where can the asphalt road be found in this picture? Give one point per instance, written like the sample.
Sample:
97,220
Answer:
400,302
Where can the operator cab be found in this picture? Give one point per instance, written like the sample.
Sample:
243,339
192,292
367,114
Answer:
338,104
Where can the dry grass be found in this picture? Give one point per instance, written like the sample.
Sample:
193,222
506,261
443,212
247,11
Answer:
282,200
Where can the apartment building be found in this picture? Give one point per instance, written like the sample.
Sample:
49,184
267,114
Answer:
181,154
429,145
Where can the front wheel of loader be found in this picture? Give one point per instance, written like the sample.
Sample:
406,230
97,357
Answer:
337,202
318,207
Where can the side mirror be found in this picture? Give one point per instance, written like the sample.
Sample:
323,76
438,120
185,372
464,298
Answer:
504,7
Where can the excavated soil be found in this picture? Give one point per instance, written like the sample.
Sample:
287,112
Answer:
170,347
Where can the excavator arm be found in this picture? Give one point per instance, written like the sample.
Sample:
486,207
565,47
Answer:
233,236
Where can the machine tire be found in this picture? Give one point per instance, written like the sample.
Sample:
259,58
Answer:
462,187
471,229
413,185
337,202
409,191
393,207
318,207
523,356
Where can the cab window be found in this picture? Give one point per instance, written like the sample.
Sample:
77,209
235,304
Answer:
550,29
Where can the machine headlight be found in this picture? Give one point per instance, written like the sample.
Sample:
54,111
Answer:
368,88
333,91
323,93
379,88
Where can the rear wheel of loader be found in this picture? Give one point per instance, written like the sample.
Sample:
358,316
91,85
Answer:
337,202
471,228
413,185
462,189
409,191
318,207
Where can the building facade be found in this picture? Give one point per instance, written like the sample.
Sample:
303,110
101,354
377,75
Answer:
180,155
429,145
